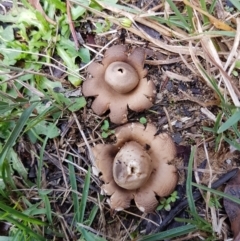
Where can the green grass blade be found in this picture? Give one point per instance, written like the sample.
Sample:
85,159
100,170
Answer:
42,116
200,222
185,220
120,7
40,163
172,233
204,8
16,131
19,215
6,176
189,194
233,143
217,122
221,194
213,83
47,205
88,236
85,195
18,236
73,182
230,122
23,227
179,14
92,215
219,33
190,16
170,21
213,4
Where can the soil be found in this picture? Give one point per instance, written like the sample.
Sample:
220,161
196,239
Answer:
178,110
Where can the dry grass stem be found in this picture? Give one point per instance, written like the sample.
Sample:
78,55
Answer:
60,163
99,53
164,61
233,53
191,55
208,194
168,118
142,217
208,113
91,156
139,32
178,77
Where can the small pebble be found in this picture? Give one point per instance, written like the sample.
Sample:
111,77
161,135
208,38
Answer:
178,124
228,161
177,138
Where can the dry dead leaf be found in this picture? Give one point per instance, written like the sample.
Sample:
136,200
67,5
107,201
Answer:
232,208
36,4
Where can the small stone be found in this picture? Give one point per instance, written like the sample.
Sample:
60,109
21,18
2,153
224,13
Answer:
178,124
177,138
228,161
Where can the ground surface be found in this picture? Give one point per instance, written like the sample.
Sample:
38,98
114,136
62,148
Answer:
43,170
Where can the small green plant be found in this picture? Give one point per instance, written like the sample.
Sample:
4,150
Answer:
165,203
103,27
229,9
143,120
105,129
235,73
126,22
214,201
237,67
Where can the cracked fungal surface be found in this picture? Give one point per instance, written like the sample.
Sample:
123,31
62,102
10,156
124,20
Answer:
119,83
137,167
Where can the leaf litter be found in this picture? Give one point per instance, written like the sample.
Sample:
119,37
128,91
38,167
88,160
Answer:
175,57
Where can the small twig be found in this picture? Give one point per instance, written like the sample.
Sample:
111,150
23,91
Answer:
30,88
191,98
64,224
98,53
23,72
142,217
208,113
56,163
39,62
164,61
85,140
36,4
180,77
13,77
201,170
182,119
127,232
60,163
93,230
168,119
71,25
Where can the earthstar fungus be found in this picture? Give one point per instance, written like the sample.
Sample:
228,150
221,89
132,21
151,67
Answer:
118,83
137,166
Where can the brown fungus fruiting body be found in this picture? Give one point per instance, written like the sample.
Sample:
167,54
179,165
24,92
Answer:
118,83
137,167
